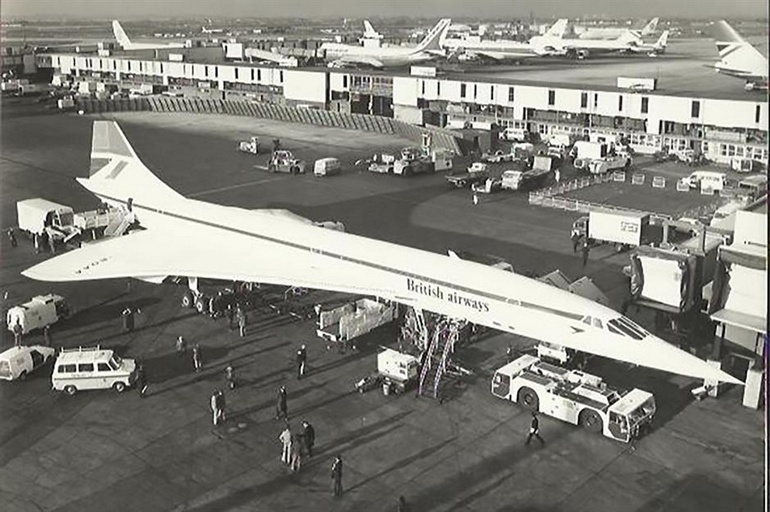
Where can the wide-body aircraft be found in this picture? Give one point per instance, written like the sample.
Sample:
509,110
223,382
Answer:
475,48
342,55
739,58
195,239
581,48
615,32
123,40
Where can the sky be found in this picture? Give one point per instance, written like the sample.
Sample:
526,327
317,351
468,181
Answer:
502,9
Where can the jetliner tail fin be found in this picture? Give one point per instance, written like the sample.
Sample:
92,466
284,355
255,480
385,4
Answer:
650,27
369,29
432,40
120,34
116,172
737,54
558,29
662,41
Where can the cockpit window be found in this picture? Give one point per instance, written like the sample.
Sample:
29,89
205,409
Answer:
586,320
631,325
627,328
597,323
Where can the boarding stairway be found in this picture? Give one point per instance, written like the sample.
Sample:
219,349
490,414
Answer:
414,330
119,225
437,358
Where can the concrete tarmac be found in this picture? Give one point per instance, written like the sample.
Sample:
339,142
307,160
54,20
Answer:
100,451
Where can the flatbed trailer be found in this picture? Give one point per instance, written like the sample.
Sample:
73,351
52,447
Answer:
575,397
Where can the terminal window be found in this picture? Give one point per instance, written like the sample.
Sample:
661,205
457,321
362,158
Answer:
620,103
583,100
645,105
344,81
551,97
475,91
235,70
510,94
757,111
252,75
438,89
463,90
492,92
695,109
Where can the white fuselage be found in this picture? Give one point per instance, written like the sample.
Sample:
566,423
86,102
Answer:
500,49
388,56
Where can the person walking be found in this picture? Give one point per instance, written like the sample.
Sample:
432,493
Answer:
308,437
575,242
36,242
230,377
47,335
281,407
301,361
534,430
509,354
141,381
585,249
475,199
181,346
337,476
215,407
285,438
18,331
128,319
12,237
52,244
296,455
230,315
222,406
197,357
241,321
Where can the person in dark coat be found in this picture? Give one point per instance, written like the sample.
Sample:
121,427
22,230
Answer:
585,249
337,476
281,407
128,319
141,381
534,430
197,357
47,335
12,237
308,437
301,361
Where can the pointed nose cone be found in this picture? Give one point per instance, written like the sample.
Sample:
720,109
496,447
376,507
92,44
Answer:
672,359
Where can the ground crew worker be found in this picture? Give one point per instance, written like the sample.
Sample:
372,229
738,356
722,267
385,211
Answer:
230,315
141,381
181,346
296,455
12,237
52,244
308,437
585,250
128,319
475,199
281,408
196,355
230,376
575,242
509,354
17,333
47,335
534,430
285,438
36,242
222,405
557,175
241,322
301,361
215,406
337,476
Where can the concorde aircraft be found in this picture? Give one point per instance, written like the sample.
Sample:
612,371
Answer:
195,239
341,55
122,38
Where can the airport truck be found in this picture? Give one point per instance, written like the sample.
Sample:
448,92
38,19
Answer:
625,229
396,371
476,173
575,397
353,319
38,312
526,179
37,216
283,161
609,163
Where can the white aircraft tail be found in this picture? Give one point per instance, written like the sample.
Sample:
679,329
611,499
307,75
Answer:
432,41
650,27
737,56
558,29
116,172
120,35
662,41
369,31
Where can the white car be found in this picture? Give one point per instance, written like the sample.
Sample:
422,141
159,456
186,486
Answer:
498,156
18,362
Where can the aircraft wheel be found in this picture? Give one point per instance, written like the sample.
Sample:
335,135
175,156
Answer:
529,399
590,420
187,300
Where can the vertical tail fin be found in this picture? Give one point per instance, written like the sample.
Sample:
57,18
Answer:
432,41
650,27
558,29
120,35
662,41
369,30
737,56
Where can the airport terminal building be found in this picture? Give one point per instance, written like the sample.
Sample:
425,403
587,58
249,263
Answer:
729,129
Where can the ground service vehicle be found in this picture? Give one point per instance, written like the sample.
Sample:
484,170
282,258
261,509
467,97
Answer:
92,368
576,397
498,156
587,150
397,370
249,146
382,163
18,362
515,134
326,167
40,311
38,216
283,160
96,220
707,179
443,159
488,186
754,186
623,228
353,319
476,173
609,163
523,180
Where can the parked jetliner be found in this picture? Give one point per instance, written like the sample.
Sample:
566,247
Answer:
582,48
341,55
369,32
473,47
187,237
615,32
127,44
657,48
739,58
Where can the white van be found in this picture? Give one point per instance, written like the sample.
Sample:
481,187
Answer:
515,134
326,167
707,179
38,312
92,368
753,186
18,362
